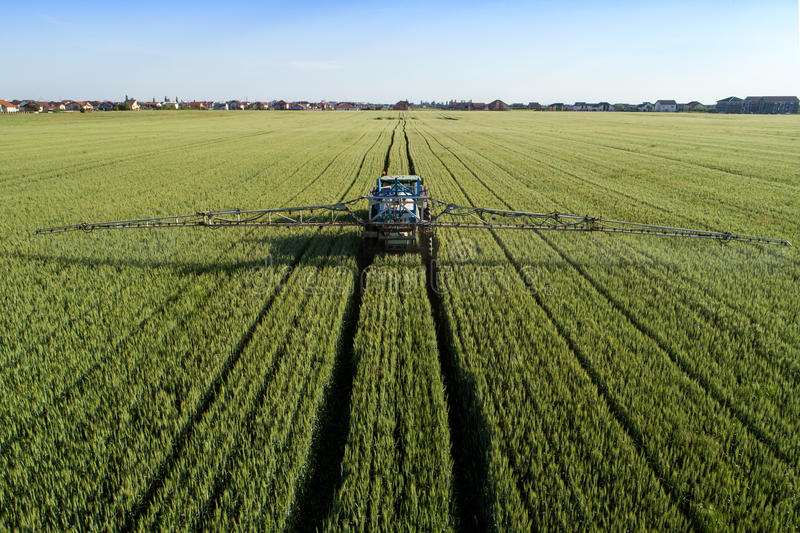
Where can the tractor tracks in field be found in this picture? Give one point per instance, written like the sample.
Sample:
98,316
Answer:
206,401
677,359
614,408
208,397
323,478
76,386
144,502
37,177
224,474
653,259
469,433
781,366
468,426
160,309
342,377
335,403
680,499
411,169
482,449
630,197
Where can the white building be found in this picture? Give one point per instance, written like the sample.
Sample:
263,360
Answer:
7,107
668,106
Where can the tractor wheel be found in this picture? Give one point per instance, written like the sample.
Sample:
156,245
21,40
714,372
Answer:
427,245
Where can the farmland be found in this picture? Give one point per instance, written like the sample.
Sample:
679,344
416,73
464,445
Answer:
255,378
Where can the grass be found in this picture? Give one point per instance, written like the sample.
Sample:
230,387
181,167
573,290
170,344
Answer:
185,379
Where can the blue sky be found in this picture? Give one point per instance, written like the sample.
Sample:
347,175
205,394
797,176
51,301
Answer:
547,51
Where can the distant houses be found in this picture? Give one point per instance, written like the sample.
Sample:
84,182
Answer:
31,106
691,106
79,106
770,105
730,105
583,106
665,106
8,107
468,106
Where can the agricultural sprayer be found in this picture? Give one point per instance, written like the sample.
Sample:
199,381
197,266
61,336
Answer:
400,215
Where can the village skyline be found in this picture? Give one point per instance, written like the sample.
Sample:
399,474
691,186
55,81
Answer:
617,51
729,105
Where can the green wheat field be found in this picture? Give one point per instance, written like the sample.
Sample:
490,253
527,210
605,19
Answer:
255,378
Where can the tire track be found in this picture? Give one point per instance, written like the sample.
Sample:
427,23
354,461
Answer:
470,439
143,503
223,478
680,499
224,475
91,263
717,299
76,387
323,479
78,168
575,494
709,196
679,361
70,390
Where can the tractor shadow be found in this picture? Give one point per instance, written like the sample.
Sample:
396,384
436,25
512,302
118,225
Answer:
269,251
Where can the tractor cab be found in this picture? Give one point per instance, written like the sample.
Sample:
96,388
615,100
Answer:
397,204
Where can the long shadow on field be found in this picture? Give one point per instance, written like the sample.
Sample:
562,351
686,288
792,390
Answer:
278,251
469,428
306,253
323,478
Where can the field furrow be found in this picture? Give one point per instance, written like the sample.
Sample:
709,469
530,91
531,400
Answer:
307,379
773,481
507,355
